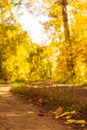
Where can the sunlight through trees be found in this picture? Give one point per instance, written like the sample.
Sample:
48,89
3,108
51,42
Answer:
63,59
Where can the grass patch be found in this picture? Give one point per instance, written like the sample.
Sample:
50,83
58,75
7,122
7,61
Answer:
19,88
51,97
5,82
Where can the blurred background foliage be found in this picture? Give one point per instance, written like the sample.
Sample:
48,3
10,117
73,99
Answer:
66,62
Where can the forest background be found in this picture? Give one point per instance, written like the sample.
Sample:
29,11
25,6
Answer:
64,59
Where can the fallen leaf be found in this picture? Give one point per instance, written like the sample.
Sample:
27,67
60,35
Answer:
65,114
70,121
40,100
56,116
68,117
41,114
73,112
58,111
80,122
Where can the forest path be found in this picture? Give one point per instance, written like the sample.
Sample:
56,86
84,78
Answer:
16,114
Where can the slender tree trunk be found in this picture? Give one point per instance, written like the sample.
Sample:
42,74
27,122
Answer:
65,20
70,64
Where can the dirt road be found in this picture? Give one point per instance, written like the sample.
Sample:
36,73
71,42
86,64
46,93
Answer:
16,114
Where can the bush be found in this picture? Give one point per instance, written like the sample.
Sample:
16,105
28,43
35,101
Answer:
20,88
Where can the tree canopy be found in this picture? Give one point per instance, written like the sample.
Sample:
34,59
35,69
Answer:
64,59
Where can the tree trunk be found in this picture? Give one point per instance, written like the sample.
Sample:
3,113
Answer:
70,64
65,20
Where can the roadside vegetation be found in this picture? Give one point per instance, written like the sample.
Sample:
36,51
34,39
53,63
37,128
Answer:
65,103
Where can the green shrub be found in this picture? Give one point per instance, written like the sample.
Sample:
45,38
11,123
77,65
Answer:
20,88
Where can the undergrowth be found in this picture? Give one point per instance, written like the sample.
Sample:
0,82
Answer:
51,97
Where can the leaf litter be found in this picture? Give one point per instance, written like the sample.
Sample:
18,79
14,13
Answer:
68,117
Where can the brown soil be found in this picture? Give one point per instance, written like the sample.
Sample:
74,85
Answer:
16,114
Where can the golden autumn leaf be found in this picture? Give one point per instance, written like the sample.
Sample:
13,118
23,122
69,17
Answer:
80,122
65,114
70,121
59,111
68,116
73,112
56,116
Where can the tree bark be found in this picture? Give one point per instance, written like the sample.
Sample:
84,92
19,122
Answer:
70,65
65,20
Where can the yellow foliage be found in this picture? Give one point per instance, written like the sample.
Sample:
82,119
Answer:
9,34
70,121
80,122
73,112
59,110
9,6
59,113
47,0
64,114
68,117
